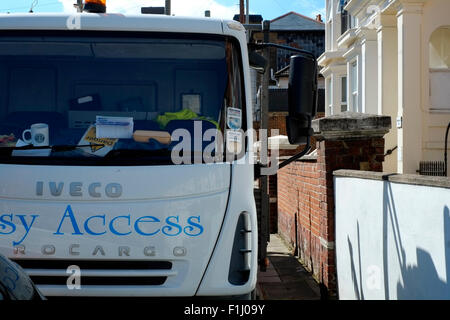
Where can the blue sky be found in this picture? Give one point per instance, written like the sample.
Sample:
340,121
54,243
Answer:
25,5
270,9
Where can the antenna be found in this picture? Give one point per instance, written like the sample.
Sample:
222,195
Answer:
33,4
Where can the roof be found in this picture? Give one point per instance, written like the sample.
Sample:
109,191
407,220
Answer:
293,21
254,18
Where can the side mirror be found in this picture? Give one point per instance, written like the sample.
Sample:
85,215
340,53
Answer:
15,284
302,97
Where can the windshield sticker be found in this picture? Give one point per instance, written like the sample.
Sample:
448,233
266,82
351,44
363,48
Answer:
234,141
99,146
114,127
97,225
234,118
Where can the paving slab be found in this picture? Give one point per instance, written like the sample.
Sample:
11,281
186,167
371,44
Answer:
285,278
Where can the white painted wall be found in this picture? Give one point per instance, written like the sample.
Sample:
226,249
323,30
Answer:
392,240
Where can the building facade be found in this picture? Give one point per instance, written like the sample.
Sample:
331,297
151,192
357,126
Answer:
299,31
392,57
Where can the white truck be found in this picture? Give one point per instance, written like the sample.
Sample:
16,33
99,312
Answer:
128,211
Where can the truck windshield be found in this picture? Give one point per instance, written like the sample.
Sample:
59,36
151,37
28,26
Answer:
120,98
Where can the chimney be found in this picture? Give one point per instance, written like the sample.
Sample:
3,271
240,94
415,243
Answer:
319,18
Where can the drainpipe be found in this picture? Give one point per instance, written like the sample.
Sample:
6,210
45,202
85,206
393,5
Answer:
445,152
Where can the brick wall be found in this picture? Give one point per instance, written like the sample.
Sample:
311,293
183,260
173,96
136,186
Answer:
306,200
277,120
299,210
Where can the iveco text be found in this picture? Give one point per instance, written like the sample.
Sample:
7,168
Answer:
111,190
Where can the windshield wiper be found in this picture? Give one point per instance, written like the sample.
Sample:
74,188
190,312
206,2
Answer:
138,153
57,148
139,157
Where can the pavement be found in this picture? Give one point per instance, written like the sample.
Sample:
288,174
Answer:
285,278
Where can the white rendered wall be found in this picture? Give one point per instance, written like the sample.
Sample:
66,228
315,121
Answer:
392,240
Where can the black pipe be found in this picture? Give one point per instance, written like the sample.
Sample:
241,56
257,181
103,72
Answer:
298,155
260,46
445,149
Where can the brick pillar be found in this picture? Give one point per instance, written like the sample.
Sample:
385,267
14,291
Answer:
306,190
345,141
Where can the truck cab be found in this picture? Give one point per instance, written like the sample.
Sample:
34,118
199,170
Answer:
152,206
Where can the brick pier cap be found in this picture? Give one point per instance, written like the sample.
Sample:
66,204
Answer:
350,126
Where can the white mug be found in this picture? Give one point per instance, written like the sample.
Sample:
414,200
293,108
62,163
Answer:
39,135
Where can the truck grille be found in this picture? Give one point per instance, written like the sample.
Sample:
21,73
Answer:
98,272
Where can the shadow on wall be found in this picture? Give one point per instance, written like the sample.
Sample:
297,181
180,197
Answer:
422,280
359,292
418,282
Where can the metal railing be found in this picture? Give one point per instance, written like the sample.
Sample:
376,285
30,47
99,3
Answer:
432,168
